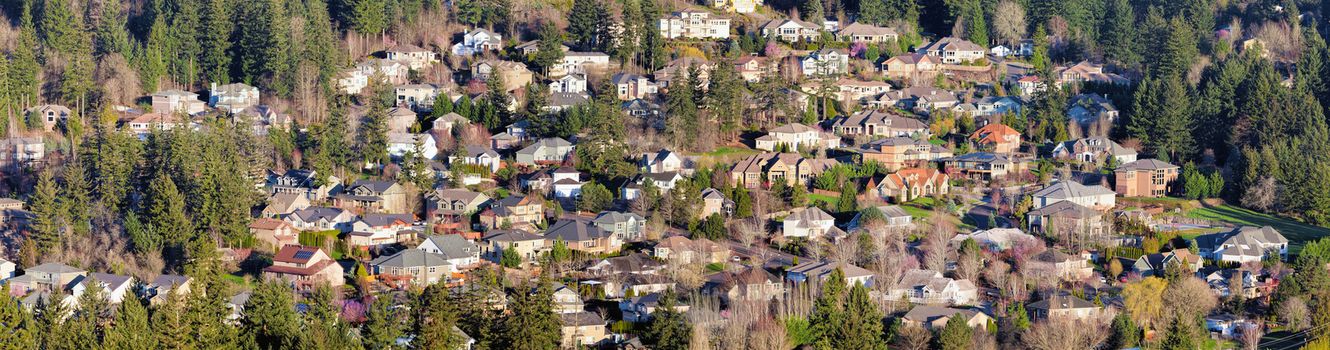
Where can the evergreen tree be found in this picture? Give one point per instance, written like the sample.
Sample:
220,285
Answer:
382,325
1124,333
270,317
132,330
214,38
955,335
629,39
1183,334
1162,117
1018,317
725,98
60,28
811,11
18,323
863,321
165,216
324,328
652,54
588,25
1043,65
47,225
848,200
683,123
532,325
151,57
169,323
435,320
595,198
23,63
75,195
110,34
669,329
372,138
369,16
829,311
874,12
976,26
184,63
549,50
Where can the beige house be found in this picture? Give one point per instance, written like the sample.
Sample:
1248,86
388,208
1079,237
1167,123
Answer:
412,266
527,245
879,123
513,74
791,30
867,33
514,211
895,153
737,6
914,66
796,136
630,86
953,50
177,101
1145,178
690,251
907,184
582,329
1067,267
413,56
273,234
935,317
859,91
50,115
1063,308
791,168
304,268
373,196
694,25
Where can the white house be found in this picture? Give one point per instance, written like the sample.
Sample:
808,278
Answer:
571,83
694,25
477,41
416,96
566,182
791,30
953,50
414,56
825,62
233,98
809,223
478,155
1094,197
580,62
458,250
1243,244
401,143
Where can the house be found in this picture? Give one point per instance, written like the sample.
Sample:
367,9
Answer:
532,47
164,285
953,50
448,122
581,329
514,75
233,98
997,105
690,251
1067,219
551,150
809,223
6,267
411,266
566,182
1243,244
147,123
1092,150
559,101
867,33
919,99
648,111
896,152
737,6
1094,197
893,216
515,211
374,196
50,115
744,284
629,86
662,181
452,204
662,161
413,56
422,145
1089,109
819,271
795,136
791,168
907,184
481,156
401,119
679,67
714,202
583,236
998,138
304,268
376,230
322,218
1028,85
1157,264
459,251
273,233
986,166
304,183
262,119
571,83
1087,72
177,101
854,91
626,226
114,287
753,68
1145,178
1066,267
879,123
528,246
640,309
694,25
995,239
477,41
45,278
792,30
416,96
929,287
283,204
566,300
628,264
934,318
574,62
19,151
825,62
1064,307
914,66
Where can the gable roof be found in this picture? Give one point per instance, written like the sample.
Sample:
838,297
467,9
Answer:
293,253
1064,209
574,231
411,258
1071,189
1242,240
453,246
1146,164
994,133
928,313
515,235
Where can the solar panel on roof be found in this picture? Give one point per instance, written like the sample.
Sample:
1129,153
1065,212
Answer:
304,254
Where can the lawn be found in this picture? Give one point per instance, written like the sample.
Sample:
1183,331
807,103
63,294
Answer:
823,198
729,150
1297,233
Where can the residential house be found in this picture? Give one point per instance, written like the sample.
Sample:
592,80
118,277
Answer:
566,300
907,184
6,267
559,101
234,97
19,151
753,68
995,239
997,105
648,111
737,6
1088,72
322,218
532,47
273,233
825,62
953,50
1064,307
934,318
422,145
282,204
574,62
416,96
627,226
177,101
745,284
411,266
581,329
1066,267
527,245
401,119
796,136
1145,178
633,263
413,56
920,99
694,25
1094,197
50,115
477,41
897,152
998,138
791,168
929,287
459,251
662,161
640,309
373,230
374,196
880,123
113,287
1243,244
867,33
583,236
1067,219
161,288
1156,264
1092,108
571,83
449,122
481,156
680,67
304,183
45,278
809,223
914,66
893,216
817,272
304,268
1092,150
629,86
566,182
662,181
514,75
986,166
854,91
147,123
453,204
791,30
514,211
714,202
551,150
690,251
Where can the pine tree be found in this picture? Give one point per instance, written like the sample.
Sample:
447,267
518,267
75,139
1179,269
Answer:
435,320
47,225
1043,66
669,330
151,58
76,195
1119,33
24,67
829,311
976,26
369,17
532,324
215,40
372,138
270,317
652,54
725,98
629,39
60,28
110,35
811,11
588,25
955,335
683,123
165,216
324,327
184,67
848,200
863,320
382,325
132,330
168,322
549,49
874,12
18,324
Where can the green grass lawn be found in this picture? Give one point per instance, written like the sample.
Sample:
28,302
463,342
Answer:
823,198
729,150
1297,233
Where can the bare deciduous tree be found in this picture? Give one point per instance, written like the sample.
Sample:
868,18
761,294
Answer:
1062,334
1293,312
913,338
1009,22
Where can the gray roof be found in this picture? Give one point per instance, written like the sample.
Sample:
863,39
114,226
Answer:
1147,164
316,213
476,150
54,268
376,219
1061,302
612,217
711,193
579,319
169,281
516,235
548,142
892,211
375,185
1243,240
1071,189
819,268
574,231
567,99
454,246
1065,209
411,258
928,313
112,281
